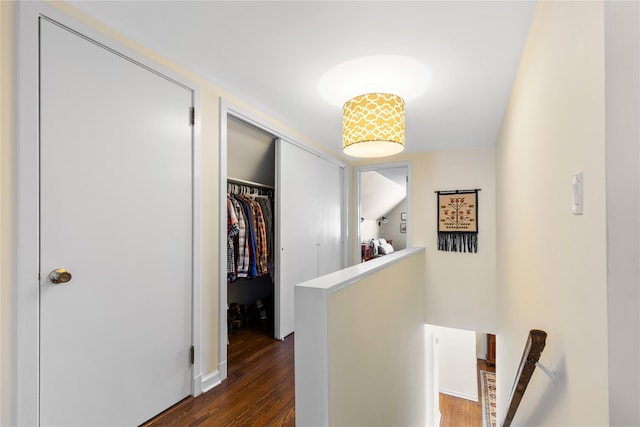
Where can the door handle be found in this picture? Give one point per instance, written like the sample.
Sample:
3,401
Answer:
59,275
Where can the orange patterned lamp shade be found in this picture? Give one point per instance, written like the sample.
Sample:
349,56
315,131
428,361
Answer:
373,125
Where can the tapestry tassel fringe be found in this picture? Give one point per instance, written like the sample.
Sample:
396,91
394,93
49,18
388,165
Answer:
458,242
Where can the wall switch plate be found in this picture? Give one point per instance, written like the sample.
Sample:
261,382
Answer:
577,207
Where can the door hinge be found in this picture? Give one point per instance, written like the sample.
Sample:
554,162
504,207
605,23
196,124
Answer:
192,355
192,116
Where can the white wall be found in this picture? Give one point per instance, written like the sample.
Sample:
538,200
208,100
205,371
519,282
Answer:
458,364
7,196
461,288
379,194
369,229
481,346
251,154
391,230
551,265
622,51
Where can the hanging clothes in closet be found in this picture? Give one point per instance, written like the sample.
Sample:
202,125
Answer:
249,232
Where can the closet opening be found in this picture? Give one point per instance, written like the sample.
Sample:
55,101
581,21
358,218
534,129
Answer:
250,231
262,165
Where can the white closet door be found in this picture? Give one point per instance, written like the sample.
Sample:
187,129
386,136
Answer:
329,195
115,211
298,227
310,190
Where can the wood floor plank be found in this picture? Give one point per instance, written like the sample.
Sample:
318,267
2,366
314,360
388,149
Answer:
457,412
259,389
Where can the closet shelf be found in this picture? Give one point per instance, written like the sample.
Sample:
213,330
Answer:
251,183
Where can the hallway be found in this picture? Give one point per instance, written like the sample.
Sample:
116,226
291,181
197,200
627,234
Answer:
259,390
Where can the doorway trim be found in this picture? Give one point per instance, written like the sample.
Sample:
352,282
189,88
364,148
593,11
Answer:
375,167
25,353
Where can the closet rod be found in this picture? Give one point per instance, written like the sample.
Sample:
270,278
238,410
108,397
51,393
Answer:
250,183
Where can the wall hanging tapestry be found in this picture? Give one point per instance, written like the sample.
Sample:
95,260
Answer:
458,220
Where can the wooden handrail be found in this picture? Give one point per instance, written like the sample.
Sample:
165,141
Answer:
532,350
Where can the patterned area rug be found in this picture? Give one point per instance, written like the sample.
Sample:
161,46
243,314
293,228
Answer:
488,383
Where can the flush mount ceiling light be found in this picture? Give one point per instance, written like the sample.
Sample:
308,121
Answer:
373,125
399,75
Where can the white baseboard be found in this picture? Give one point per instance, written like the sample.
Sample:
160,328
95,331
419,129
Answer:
211,380
438,417
222,368
196,386
460,395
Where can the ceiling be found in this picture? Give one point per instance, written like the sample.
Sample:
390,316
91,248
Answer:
272,54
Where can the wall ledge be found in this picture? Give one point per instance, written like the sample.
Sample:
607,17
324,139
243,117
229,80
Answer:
340,279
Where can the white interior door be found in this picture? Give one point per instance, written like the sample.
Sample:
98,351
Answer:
116,212
310,190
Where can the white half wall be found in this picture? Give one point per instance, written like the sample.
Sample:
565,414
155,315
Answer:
360,350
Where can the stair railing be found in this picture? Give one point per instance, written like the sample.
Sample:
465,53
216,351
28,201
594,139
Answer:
532,350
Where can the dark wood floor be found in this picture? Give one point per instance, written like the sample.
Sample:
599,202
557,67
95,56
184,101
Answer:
457,412
259,390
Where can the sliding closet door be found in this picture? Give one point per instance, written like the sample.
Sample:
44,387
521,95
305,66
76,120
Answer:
298,228
329,193
310,191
